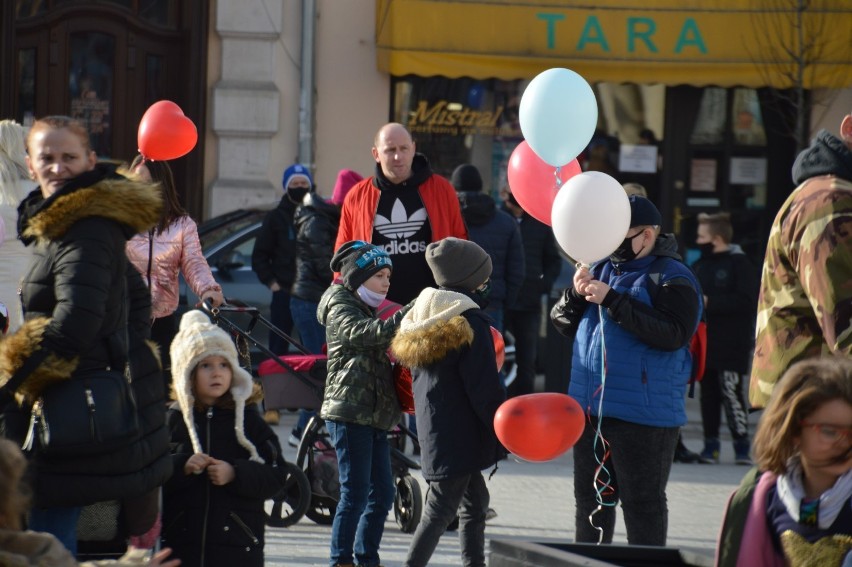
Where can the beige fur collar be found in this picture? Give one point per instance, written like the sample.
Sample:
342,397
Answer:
129,202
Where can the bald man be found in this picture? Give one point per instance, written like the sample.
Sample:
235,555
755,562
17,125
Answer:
402,208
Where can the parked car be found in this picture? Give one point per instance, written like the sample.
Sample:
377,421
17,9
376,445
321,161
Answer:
227,242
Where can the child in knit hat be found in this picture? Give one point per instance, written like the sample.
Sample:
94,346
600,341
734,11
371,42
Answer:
227,460
360,404
447,343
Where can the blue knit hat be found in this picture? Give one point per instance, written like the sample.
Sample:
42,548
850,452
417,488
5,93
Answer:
294,171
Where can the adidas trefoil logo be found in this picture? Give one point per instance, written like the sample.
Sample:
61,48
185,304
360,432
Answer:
400,225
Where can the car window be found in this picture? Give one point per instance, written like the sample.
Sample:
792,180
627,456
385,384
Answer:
213,232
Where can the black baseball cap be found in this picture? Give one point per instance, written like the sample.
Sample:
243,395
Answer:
643,212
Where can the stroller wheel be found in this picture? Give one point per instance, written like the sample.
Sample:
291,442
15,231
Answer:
408,504
321,511
291,503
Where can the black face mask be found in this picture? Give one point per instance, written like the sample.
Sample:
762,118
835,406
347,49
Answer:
484,290
624,252
297,195
706,248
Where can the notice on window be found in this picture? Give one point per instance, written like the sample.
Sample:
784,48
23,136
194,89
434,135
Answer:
637,158
748,171
702,175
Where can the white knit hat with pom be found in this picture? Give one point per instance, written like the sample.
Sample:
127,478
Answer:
197,339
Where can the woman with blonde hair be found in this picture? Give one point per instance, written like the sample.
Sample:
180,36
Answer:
14,185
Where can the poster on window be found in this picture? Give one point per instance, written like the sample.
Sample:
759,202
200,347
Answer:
748,171
702,175
637,158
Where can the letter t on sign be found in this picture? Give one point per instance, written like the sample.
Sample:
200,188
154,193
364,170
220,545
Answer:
551,20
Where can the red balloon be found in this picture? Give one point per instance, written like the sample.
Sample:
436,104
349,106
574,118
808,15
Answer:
165,132
539,427
533,181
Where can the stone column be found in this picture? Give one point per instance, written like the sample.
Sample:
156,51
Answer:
245,103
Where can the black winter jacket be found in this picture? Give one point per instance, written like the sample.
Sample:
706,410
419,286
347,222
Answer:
446,341
274,254
498,234
730,283
316,224
542,262
73,297
208,525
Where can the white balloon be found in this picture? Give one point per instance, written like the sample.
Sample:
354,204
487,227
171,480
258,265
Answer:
590,216
558,115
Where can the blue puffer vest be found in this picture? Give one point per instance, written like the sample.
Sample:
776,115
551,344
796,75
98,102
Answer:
644,385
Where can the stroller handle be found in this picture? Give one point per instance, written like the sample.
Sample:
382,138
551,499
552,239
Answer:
236,307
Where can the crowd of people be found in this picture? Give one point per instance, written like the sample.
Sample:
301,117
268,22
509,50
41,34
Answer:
98,250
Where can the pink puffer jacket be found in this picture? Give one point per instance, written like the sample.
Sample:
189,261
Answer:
176,250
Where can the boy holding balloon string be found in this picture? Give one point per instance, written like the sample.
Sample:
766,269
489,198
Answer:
447,343
632,317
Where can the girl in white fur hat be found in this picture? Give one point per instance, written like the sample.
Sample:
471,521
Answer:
227,460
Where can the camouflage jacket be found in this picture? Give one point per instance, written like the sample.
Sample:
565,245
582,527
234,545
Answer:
358,386
805,304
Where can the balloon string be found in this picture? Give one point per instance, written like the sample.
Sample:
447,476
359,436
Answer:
556,175
602,481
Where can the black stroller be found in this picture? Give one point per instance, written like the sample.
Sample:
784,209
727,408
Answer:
297,382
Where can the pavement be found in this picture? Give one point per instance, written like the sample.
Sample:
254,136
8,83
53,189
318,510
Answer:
534,502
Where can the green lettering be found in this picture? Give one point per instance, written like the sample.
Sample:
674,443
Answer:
690,35
634,33
593,25
551,20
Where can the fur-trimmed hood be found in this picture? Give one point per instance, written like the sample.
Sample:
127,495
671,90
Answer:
433,327
134,205
197,339
98,193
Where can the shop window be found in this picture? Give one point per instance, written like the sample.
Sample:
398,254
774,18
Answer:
455,121
90,81
746,119
709,126
122,3
26,85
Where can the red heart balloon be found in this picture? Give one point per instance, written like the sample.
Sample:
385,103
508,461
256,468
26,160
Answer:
165,132
533,181
539,427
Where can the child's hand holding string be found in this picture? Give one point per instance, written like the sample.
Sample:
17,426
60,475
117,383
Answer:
220,472
196,463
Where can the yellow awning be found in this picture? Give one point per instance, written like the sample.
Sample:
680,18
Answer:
698,42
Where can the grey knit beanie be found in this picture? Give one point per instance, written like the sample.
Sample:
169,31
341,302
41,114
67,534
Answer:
458,263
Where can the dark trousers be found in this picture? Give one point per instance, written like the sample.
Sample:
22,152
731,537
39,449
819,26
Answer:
724,388
635,473
524,327
281,317
163,331
466,495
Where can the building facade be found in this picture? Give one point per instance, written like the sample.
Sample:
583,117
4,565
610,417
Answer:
694,97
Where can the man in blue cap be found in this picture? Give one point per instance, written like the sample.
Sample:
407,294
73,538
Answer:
632,317
274,256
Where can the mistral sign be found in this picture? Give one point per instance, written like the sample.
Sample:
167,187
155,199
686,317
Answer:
698,42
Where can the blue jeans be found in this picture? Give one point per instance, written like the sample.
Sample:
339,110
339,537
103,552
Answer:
366,492
60,522
466,495
312,335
